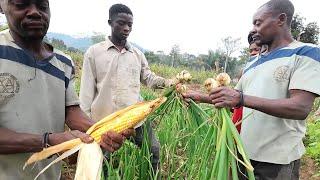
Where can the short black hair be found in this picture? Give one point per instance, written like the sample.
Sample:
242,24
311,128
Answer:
281,6
119,8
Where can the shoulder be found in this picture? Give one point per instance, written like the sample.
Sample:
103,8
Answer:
137,51
306,50
6,41
61,56
97,48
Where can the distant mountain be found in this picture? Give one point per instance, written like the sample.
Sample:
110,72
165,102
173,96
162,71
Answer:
82,43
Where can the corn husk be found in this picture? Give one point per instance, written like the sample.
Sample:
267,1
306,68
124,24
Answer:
132,116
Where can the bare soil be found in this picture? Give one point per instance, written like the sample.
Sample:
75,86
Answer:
309,169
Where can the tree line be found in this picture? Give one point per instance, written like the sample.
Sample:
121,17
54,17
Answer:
218,60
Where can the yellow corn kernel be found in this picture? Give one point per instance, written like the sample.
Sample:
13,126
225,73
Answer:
118,121
129,119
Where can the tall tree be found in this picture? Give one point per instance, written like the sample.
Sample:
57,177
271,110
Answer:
300,32
297,26
230,45
311,33
175,55
151,57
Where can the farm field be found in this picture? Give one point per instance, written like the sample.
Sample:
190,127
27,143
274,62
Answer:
309,165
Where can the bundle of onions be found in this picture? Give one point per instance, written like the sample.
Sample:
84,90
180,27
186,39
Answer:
226,139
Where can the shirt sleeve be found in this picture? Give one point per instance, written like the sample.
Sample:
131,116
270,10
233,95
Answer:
149,78
239,85
88,82
71,95
306,73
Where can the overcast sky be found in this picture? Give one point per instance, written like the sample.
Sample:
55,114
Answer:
195,25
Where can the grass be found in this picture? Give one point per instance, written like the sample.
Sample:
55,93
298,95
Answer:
198,77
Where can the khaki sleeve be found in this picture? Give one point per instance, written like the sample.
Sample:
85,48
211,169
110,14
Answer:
88,82
149,78
306,74
71,94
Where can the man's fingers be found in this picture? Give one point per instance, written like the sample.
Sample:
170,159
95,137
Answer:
219,105
128,133
216,95
83,136
216,90
112,141
115,137
107,147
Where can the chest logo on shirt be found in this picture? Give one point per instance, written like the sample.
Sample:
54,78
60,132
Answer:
9,85
282,73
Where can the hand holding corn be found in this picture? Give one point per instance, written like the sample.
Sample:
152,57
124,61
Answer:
112,141
58,138
104,132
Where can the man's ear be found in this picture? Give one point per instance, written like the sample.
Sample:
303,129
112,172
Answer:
109,22
282,19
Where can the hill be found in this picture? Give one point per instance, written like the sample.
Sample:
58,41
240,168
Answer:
82,43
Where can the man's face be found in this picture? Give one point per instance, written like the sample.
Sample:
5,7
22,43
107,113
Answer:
28,19
254,49
264,27
121,25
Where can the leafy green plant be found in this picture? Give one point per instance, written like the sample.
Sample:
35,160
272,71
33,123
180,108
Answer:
312,140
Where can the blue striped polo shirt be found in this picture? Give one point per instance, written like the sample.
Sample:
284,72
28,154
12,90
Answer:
268,138
33,98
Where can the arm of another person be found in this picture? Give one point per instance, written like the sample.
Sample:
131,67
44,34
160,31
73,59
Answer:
149,78
77,120
12,142
297,106
303,89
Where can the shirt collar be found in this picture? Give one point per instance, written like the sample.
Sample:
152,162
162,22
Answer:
10,38
110,44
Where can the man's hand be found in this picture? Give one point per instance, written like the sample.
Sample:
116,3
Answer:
112,141
194,95
170,82
57,138
224,97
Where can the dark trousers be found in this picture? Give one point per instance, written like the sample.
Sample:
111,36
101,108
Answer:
155,145
269,171
154,149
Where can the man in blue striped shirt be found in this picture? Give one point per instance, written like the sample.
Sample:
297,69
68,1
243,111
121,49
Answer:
37,96
277,89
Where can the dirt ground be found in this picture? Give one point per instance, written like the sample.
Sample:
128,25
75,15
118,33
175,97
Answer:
309,170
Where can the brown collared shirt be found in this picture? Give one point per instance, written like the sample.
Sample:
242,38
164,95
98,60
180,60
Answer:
111,78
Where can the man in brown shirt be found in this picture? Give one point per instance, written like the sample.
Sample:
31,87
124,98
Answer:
112,73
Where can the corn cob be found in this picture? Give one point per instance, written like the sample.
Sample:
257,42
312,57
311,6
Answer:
118,121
